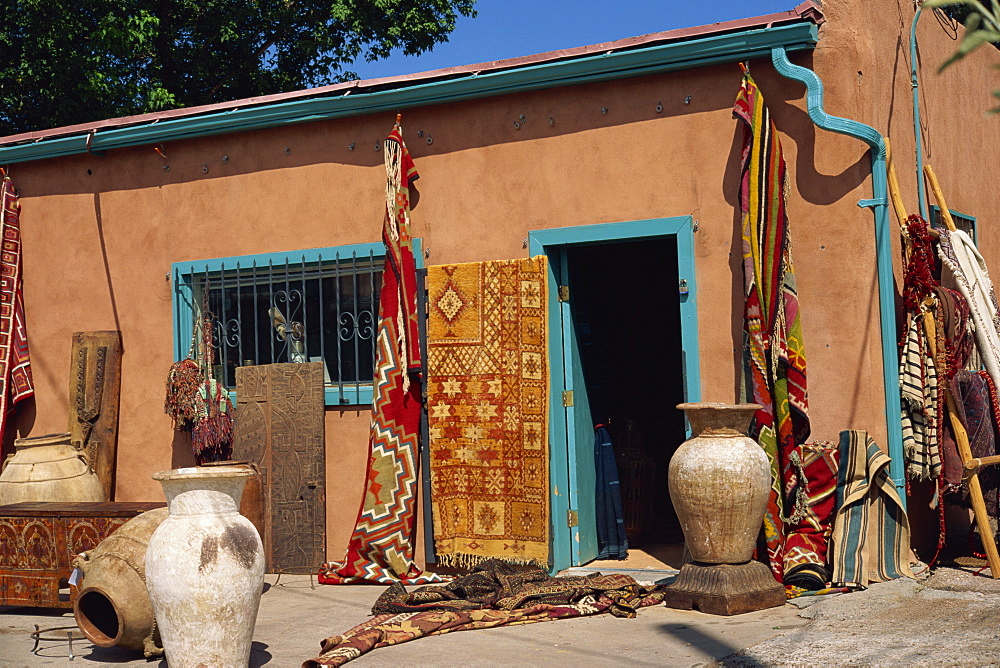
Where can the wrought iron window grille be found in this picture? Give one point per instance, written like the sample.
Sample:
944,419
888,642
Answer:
302,306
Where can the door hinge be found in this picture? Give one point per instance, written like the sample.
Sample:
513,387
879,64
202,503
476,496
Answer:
567,398
564,293
572,518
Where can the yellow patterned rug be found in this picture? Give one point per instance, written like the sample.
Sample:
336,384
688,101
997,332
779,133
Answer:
487,396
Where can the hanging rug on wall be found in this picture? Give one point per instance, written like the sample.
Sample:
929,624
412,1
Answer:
487,402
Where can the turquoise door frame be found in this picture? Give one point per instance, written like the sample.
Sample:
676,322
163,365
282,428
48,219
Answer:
565,460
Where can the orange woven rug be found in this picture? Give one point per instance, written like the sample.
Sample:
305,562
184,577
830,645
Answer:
487,396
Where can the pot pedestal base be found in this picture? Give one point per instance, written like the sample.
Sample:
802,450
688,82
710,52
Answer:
725,589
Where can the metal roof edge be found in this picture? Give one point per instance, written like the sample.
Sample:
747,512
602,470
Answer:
708,50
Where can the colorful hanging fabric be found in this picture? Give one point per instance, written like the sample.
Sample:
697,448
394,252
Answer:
15,367
381,546
871,533
487,403
918,383
964,268
974,395
773,351
807,539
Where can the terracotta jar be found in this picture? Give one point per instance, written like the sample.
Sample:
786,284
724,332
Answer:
719,483
48,468
205,568
113,608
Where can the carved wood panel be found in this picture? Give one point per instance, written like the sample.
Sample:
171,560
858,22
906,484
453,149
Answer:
94,390
280,427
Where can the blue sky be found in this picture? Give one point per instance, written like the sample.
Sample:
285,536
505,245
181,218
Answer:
510,28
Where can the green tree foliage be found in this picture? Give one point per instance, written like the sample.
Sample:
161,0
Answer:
64,62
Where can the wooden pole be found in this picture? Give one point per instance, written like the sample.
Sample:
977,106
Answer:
949,222
897,199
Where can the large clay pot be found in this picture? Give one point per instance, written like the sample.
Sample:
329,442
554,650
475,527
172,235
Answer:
719,483
205,568
48,468
113,608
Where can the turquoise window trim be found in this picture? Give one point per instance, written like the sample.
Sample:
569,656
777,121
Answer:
540,242
182,299
963,216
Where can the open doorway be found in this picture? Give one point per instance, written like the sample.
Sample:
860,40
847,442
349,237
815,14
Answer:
625,298
627,292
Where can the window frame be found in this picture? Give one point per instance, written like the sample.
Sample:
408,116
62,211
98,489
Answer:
182,298
937,221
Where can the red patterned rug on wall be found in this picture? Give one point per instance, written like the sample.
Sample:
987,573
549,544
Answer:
487,396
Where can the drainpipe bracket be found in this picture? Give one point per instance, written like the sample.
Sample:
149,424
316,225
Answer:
872,203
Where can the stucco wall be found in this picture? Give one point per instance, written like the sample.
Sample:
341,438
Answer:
100,233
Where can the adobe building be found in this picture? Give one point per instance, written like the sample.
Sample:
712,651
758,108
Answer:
619,161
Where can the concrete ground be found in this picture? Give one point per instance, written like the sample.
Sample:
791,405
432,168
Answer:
952,618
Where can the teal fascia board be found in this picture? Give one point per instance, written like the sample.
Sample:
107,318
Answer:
883,250
698,52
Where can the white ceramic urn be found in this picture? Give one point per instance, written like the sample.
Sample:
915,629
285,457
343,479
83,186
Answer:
719,483
205,569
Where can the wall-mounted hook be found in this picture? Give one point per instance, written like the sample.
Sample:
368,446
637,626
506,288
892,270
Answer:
694,226
159,151
604,110
524,242
659,107
687,100
522,118
420,133
552,121
427,252
430,140
288,150
350,147
166,168
225,159
378,146
204,168
517,125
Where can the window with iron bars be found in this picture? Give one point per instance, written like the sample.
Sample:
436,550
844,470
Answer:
301,306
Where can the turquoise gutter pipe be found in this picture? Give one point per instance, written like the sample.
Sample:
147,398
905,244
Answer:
917,139
883,249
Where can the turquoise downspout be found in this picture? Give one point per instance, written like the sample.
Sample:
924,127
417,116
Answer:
883,249
918,141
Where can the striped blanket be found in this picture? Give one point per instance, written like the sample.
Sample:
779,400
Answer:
871,533
918,384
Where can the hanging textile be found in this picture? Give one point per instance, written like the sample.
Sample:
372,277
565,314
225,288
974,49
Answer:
611,540
15,367
871,533
487,395
919,390
381,546
975,403
773,351
807,539
964,269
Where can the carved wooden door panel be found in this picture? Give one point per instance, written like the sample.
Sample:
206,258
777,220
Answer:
280,427
94,389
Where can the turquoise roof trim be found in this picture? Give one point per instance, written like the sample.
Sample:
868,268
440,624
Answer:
677,55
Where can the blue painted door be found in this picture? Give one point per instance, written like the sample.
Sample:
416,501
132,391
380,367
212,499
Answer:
581,516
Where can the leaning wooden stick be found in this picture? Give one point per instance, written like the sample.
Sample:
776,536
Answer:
932,181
